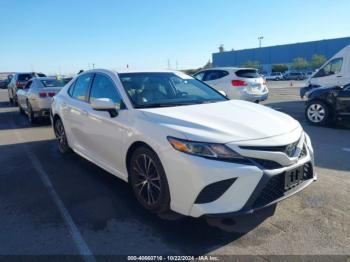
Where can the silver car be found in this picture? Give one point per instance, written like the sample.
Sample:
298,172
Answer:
237,83
36,96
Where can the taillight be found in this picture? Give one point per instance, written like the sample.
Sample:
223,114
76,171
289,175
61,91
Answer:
51,94
239,83
42,95
18,84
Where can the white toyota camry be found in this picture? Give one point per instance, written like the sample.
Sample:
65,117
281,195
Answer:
182,145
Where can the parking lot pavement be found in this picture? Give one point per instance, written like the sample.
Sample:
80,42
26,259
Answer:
64,205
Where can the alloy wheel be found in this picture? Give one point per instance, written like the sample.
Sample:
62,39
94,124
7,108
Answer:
61,137
316,113
147,180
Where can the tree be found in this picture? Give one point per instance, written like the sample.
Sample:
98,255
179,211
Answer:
317,61
300,63
279,68
253,64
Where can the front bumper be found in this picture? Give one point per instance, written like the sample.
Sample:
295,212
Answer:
248,189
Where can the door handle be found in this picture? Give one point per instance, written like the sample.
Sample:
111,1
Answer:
339,76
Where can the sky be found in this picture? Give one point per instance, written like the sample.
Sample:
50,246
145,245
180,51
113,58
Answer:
63,36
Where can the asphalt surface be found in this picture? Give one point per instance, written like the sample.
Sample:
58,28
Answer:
64,205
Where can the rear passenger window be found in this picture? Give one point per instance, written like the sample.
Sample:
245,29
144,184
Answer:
103,87
215,74
247,73
81,87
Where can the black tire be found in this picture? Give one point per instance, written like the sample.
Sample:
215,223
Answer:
15,102
318,113
21,111
148,181
61,136
10,98
30,114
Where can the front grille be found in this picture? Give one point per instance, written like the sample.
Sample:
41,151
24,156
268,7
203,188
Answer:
275,187
287,149
267,164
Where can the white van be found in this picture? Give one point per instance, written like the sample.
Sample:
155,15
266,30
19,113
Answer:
335,72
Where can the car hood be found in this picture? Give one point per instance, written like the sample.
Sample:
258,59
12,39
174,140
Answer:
223,122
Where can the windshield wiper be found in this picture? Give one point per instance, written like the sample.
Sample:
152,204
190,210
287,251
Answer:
155,105
158,105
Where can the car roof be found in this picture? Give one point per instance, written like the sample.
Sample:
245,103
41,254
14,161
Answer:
228,68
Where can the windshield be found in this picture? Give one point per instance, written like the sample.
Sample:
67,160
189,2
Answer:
147,90
53,83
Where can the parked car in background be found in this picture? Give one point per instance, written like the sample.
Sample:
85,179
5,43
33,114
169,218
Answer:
335,72
294,76
36,96
237,83
327,104
276,76
309,74
182,145
18,81
66,79
4,83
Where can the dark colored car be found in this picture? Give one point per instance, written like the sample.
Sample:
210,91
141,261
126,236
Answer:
294,76
326,104
4,83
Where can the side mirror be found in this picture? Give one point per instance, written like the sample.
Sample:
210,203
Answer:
105,104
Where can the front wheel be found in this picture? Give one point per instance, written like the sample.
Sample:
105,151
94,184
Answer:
61,137
317,113
148,181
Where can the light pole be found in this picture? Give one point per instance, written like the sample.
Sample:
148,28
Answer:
260,39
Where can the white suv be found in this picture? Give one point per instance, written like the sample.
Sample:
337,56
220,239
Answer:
181,144
237,83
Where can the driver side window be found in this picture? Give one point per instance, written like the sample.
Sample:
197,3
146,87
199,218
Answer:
103,87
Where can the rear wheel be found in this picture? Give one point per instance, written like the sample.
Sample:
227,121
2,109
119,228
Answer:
21,111
148,181
317,113
10,97
15,101
30,114
61,137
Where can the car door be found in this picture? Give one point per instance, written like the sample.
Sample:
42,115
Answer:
104,131
22,95
330,74
343,102
75,113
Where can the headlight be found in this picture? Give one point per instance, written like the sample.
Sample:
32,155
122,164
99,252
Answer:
209,150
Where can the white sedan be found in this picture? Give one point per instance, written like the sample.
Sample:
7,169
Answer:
182,145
